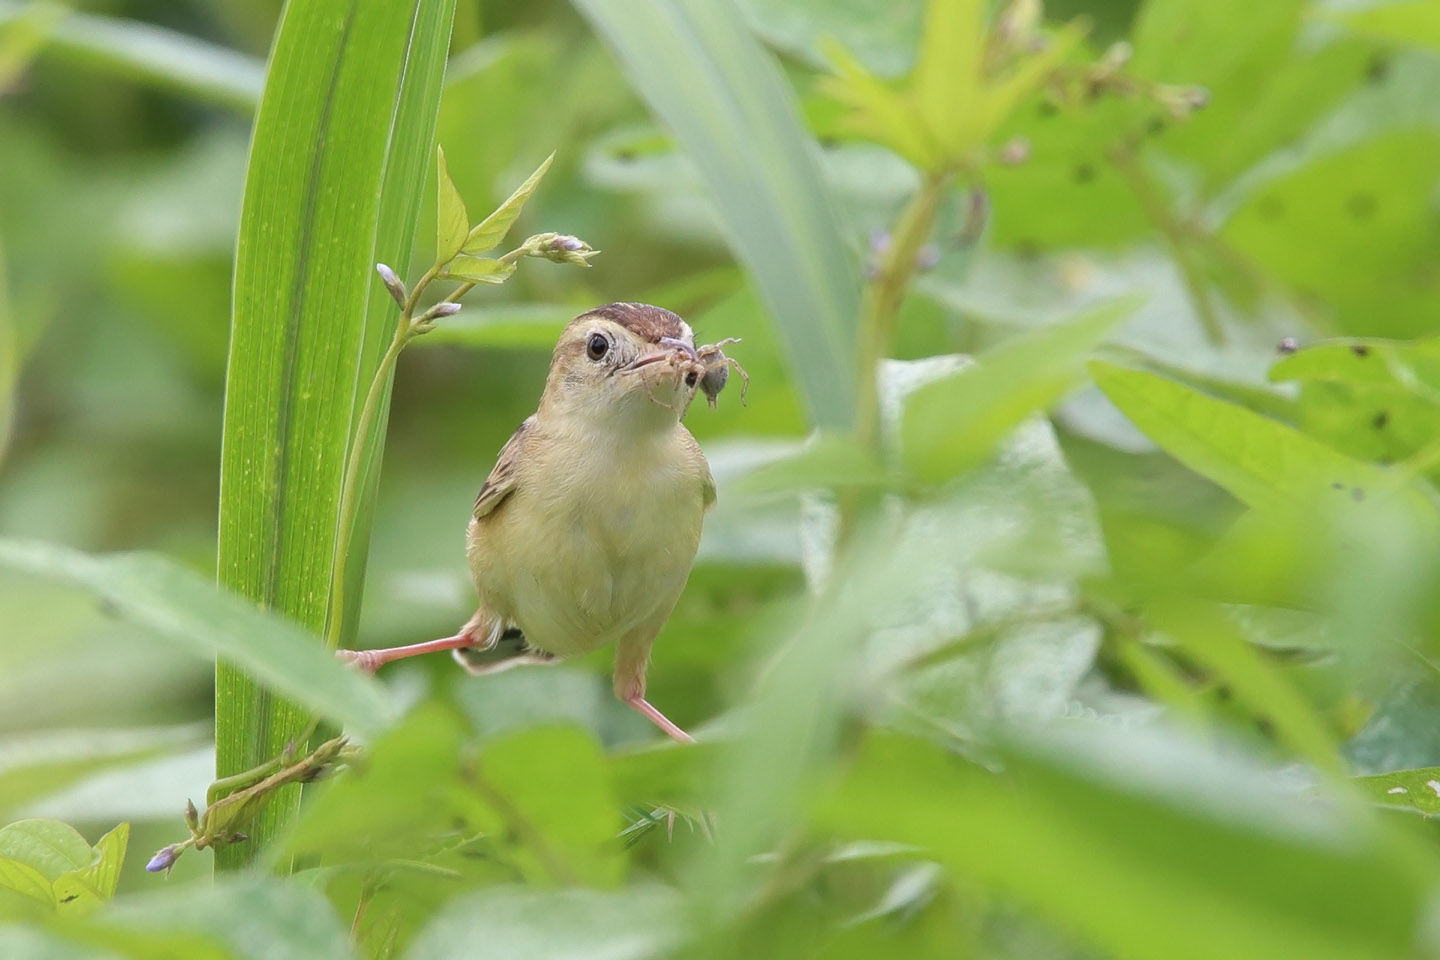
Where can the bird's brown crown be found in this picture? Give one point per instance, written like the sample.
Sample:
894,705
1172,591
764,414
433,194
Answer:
641,319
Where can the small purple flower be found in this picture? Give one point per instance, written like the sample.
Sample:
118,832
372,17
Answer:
165,859
879,240
928,256
444,309
564,242
1287,345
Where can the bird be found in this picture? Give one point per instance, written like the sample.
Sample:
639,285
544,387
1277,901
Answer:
585,531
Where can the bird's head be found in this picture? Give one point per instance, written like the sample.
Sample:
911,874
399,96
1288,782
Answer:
628,364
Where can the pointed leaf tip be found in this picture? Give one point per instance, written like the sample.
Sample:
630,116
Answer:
489,232
452,223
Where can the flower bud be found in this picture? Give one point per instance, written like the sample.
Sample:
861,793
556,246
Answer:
559,248
392,283
165,859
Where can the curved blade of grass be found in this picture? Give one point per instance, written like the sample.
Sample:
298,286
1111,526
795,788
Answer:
341,137
733,113
189,610
401,198
149,54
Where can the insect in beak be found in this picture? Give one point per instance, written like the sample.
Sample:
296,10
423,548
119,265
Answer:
676,347
682,346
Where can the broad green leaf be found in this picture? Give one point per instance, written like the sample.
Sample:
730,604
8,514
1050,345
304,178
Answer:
149,54
1291,95
1068,193
1262,462
1264,90
104,873
1377,400
557,779
953,424
1402,22
452,223
404,797
341,140
74,895
734,115
1196,42
51,847
478,269
1351,230
1417,790
636,923
190,611
488,233
1179,852
26,881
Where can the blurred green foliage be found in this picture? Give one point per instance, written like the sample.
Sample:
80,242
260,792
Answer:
1096,617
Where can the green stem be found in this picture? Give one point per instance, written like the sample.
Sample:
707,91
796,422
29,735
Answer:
406,330
1176,236
886,292
350,490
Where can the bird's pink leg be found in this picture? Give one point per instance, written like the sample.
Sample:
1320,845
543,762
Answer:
372,660
659,719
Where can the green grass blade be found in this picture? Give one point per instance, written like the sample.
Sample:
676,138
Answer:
401,198
180,606
734,114
150,54
344,75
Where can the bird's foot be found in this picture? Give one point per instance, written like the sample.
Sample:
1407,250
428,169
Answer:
372,660
659,719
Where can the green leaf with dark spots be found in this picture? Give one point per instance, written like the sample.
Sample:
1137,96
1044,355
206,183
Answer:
1417,790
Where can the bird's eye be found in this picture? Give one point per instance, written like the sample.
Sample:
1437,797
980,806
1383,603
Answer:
597,346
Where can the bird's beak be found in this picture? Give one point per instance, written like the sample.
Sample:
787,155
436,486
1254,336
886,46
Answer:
669,347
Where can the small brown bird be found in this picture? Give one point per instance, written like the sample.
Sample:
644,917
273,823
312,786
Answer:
584,533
